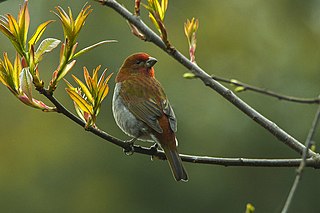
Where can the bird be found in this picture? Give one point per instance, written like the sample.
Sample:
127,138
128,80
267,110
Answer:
142,110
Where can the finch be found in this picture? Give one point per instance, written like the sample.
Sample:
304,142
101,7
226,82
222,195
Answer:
142,111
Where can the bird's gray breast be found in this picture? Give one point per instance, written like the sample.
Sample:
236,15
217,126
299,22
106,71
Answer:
127,122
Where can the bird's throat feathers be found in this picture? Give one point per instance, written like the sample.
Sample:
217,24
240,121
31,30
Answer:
126,73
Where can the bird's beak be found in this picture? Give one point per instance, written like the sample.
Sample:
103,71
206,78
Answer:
150,62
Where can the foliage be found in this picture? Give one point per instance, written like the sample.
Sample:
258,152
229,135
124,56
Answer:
190,30
88,97
157,13
20,76
18,80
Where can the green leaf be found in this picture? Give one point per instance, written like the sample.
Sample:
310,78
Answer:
101,79
26,82
94,80
40,30
13,26
47,45
10,75
3,74
154,21
239,89
157,8
189,75
80,112
24,21
73,50
103,88
87,49
87,78
81,103
4,28
17,67
151,7
84,89
102,93
234,81
249,208
68,84
164,5
65,71
40,105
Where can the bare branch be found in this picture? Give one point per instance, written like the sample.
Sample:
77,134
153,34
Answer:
267,92
207,79
310,162
303,162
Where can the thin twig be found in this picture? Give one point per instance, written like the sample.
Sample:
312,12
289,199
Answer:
267,92
310,162
70,115
207,79
303,162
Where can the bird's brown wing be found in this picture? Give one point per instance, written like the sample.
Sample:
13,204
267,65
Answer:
167,109
147,103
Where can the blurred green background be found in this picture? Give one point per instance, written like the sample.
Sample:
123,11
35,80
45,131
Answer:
49,164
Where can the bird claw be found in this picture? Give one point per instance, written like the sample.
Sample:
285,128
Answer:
130,149
154,148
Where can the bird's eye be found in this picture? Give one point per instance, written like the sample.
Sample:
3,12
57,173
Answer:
138,62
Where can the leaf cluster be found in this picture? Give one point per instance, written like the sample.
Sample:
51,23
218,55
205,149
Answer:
22,76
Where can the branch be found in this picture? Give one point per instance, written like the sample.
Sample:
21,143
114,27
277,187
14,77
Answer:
71,116
207,79
310,162
267,92
303,162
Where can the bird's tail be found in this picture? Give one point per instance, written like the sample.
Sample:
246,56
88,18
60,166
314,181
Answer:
175,163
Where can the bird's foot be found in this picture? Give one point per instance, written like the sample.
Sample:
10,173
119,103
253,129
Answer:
154,150
129,150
